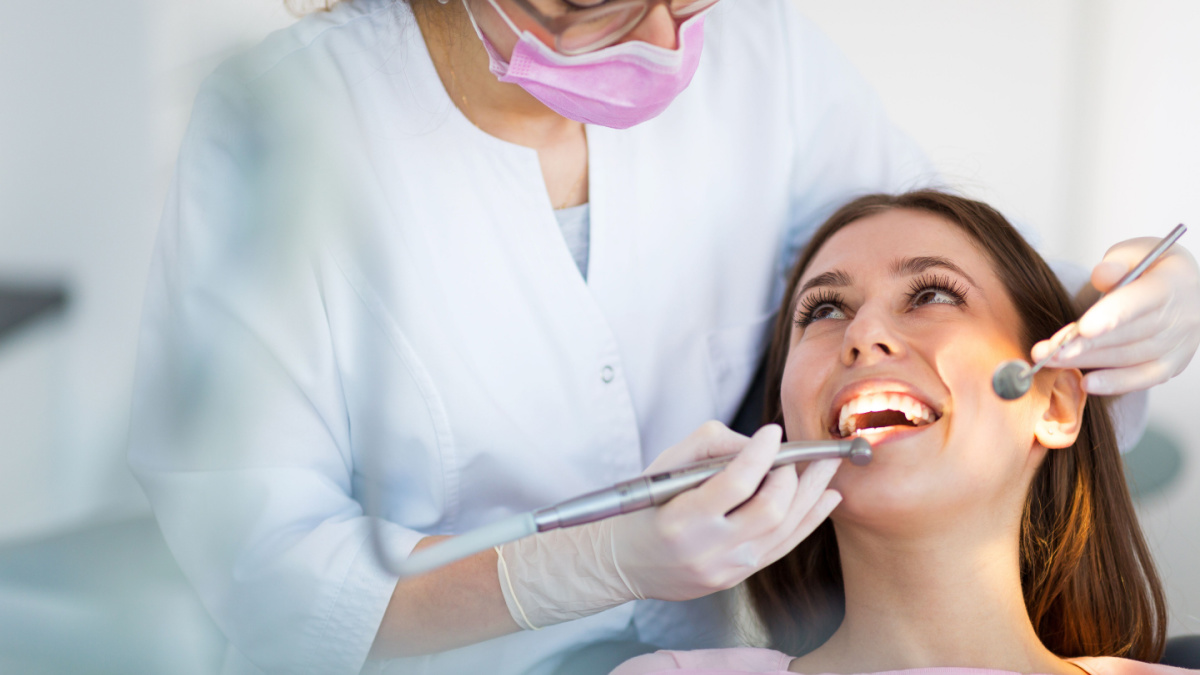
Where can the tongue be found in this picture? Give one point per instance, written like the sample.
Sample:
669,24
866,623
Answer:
881,418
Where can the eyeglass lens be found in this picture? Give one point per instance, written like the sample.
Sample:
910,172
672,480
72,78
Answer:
603,28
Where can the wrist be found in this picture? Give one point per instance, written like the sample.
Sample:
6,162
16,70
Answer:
561,575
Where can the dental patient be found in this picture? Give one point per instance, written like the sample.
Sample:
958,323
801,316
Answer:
986,535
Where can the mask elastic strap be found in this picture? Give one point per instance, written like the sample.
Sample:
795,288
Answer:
511,26
497,64
472,18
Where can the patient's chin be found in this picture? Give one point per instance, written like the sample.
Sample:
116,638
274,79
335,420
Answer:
883,511
891,503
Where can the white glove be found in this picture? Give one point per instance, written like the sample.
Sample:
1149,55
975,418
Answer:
1143,334
561,575
705,540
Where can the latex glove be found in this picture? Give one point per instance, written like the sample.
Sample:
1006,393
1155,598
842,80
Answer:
713,537
1141,335
705,540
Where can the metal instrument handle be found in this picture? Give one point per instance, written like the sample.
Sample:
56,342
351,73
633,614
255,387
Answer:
1151,257
658,489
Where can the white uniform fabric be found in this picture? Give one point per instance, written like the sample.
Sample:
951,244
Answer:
455,334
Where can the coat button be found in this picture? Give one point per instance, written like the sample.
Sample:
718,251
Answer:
608,374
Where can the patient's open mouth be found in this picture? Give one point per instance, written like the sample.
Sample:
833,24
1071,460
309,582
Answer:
876,412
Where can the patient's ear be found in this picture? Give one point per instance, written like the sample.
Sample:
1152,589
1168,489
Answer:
1063,416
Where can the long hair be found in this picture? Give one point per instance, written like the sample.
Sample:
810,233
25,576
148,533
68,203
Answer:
1088,579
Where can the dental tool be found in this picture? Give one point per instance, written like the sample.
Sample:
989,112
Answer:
628,496
1012,379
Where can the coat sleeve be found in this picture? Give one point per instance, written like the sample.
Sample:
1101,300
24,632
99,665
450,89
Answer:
240,434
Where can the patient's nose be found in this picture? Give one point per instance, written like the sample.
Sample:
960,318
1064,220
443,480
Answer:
871,337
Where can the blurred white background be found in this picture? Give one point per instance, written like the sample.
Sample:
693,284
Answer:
1080,118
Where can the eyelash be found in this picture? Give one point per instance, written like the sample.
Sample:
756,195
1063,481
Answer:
810,304
920,285
937,282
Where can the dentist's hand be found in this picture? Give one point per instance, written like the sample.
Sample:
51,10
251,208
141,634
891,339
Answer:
1143,334
712,537
705,540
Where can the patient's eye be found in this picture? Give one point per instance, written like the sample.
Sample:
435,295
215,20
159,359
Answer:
821,305
936,290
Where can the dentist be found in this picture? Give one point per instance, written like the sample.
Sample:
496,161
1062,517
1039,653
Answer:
565,230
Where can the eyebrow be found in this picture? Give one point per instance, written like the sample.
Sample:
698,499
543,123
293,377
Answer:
914,266
835,279
901,267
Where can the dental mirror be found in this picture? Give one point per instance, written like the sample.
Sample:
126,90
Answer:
1012,379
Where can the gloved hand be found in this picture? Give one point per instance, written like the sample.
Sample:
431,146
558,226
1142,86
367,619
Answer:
705,540
711,538
1143,334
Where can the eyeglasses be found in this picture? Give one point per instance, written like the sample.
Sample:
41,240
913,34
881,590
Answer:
587,29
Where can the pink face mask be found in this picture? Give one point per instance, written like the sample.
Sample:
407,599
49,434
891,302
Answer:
618,86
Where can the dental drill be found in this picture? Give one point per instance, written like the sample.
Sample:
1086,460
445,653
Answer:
628,496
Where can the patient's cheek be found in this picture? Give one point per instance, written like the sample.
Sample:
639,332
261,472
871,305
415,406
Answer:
793,423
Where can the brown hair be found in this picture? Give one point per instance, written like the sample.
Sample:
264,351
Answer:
1087,575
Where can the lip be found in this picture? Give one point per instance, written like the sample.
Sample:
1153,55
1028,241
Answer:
878,385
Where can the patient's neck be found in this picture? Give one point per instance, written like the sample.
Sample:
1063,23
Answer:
951,598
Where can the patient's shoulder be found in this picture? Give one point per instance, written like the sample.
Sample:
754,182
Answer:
1111,665
738,660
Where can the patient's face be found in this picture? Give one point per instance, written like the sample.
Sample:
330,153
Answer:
895,339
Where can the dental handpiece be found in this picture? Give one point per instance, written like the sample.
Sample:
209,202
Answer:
657,489
628,496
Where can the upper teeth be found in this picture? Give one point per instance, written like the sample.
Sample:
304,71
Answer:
918,413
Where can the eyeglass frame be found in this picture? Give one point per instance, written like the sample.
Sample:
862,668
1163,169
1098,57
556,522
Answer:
557,25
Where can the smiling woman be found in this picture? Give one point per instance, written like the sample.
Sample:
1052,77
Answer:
932,333
985,534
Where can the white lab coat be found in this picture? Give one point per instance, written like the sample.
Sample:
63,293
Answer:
450,330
